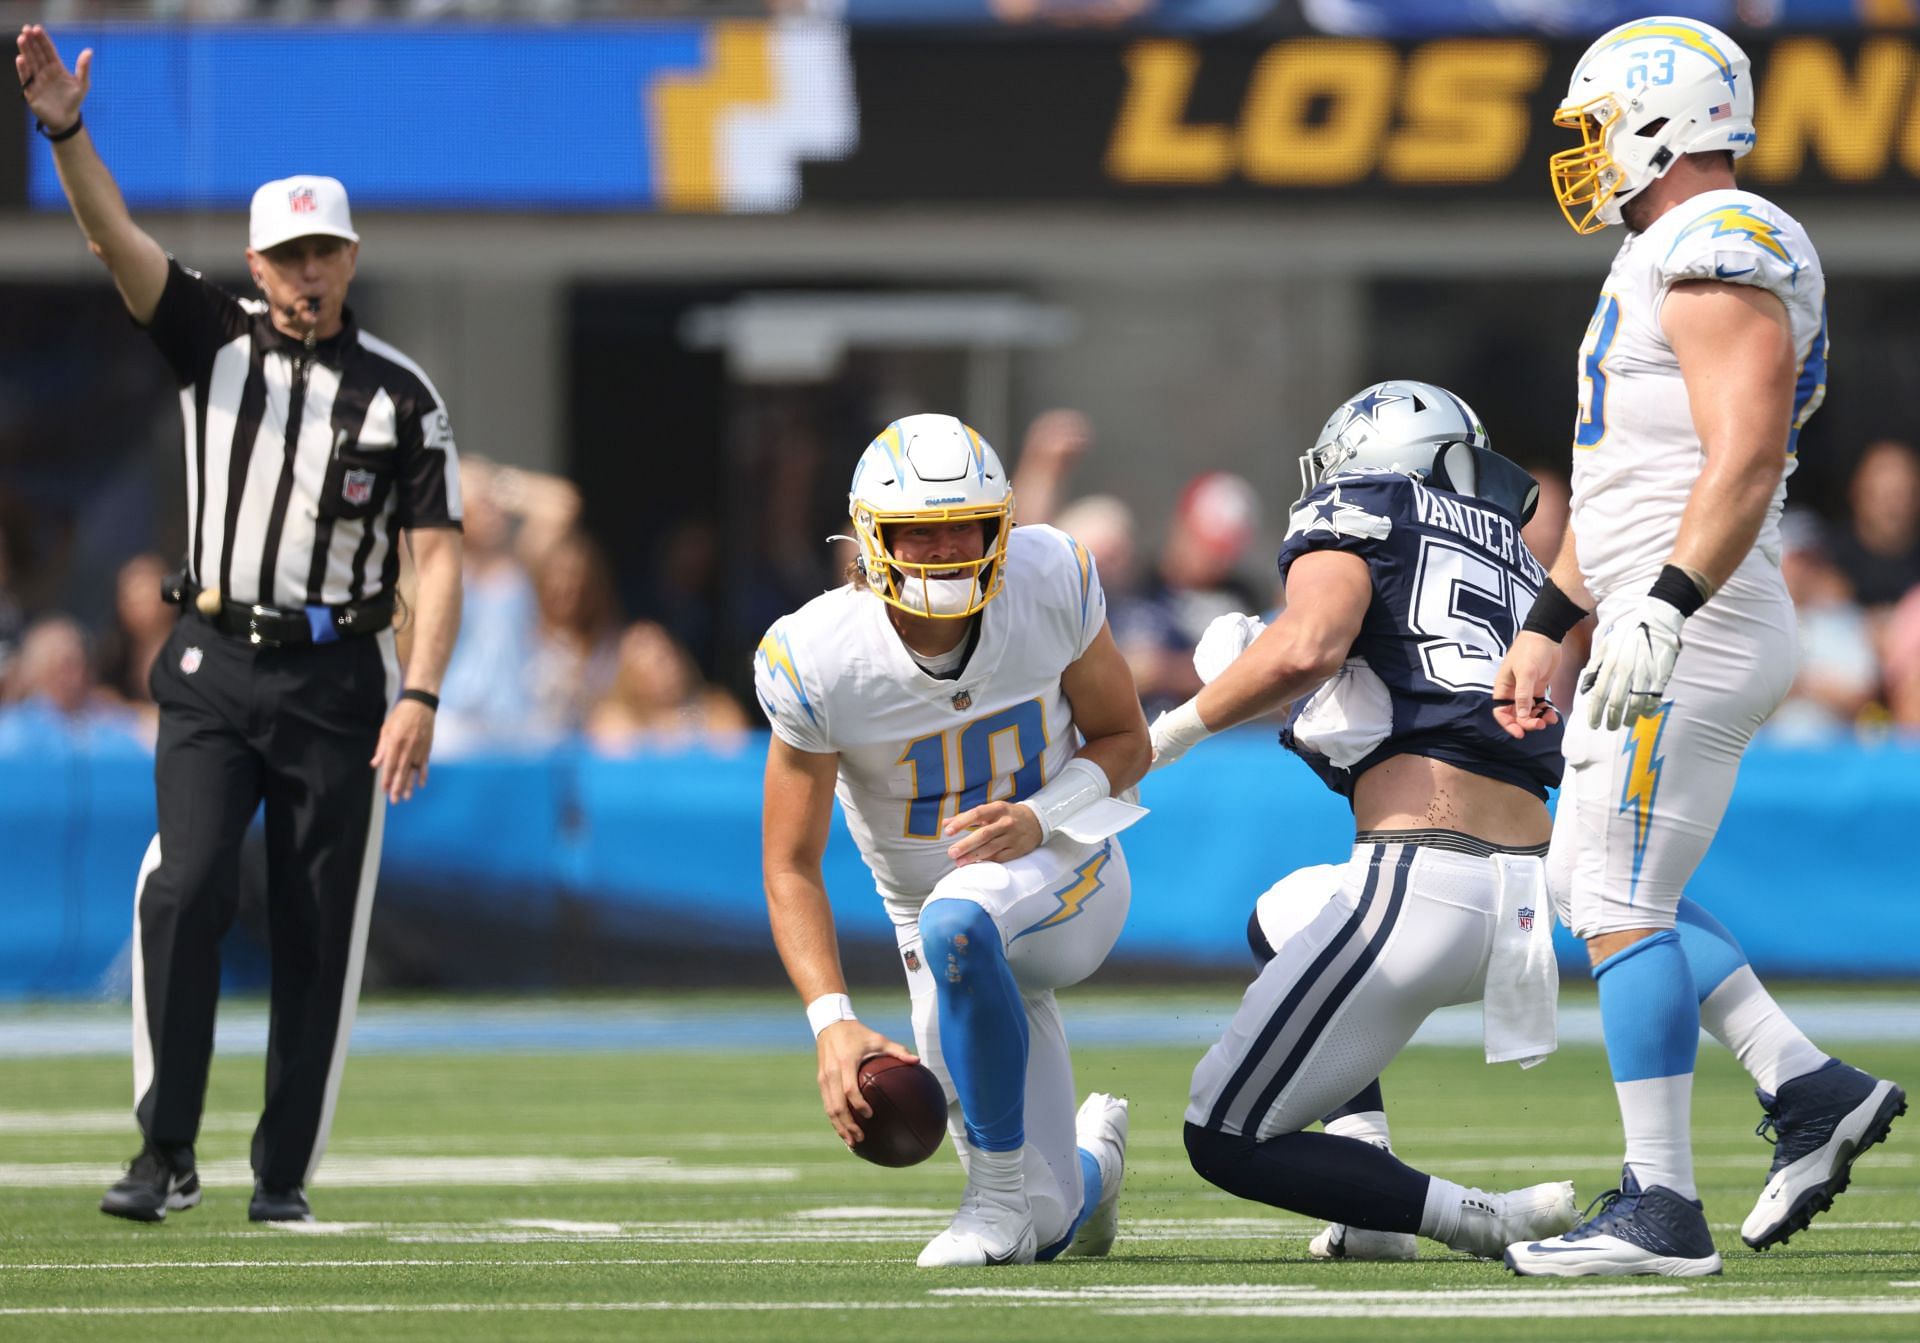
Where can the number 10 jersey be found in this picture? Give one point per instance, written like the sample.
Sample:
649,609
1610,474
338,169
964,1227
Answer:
916,750
1452,581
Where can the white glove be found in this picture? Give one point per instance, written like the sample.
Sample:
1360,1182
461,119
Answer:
1175,732
1633,657
1226,639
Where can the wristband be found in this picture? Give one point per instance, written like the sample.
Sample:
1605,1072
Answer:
426,697
1678,589
1079,784
1553,613
828,1008
57,137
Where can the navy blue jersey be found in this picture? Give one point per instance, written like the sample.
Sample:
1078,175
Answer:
1452,582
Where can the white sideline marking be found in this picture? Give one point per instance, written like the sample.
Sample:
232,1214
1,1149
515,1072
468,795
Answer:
1553,1310
389,1172
1247,1291
552,1224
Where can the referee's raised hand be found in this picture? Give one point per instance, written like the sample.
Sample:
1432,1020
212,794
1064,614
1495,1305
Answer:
53,93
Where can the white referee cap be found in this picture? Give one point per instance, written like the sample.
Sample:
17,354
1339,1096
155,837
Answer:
299,207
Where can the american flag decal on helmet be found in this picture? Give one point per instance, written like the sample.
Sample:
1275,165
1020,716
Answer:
1720,112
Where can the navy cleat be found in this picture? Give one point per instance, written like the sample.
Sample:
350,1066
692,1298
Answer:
1635,1231
1821,1122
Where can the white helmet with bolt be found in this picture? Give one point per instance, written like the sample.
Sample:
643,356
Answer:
1642,96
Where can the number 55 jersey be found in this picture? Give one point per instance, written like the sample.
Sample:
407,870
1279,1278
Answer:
1452,581
916,750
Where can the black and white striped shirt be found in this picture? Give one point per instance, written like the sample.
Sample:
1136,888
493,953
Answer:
303,463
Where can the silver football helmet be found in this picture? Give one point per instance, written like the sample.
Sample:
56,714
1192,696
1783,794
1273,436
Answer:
1420,430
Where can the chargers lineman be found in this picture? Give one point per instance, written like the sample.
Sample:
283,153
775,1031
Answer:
965,701
1406,578
1705,357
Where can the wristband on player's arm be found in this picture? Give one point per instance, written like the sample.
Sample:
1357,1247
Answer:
1679,589
828,1009
1554,613
1078,785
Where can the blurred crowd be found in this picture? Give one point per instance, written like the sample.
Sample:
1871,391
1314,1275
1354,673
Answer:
1392,18
547,654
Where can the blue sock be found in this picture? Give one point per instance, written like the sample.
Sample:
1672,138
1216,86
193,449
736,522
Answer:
983,1022
1651,1020
1091,1186
1712,951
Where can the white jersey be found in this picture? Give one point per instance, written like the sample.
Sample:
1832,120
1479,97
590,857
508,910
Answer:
915,750
1636,452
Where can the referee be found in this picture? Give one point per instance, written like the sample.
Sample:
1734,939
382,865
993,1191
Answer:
310,447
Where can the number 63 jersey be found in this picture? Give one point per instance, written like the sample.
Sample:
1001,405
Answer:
915,750
1452,582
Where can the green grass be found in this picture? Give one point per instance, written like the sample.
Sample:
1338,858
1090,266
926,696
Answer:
690,1252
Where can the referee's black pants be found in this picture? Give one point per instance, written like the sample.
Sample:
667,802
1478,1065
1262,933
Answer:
295,728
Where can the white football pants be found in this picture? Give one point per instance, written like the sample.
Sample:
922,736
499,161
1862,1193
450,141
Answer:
1059,911
1409,930
1639,805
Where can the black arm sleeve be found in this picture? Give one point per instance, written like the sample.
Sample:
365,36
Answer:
194,319
428,487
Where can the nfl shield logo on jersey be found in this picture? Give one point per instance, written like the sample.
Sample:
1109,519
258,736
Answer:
912,958
357,488
962,700
190,661
1526,919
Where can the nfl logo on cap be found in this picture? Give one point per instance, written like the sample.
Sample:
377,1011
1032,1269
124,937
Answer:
299,207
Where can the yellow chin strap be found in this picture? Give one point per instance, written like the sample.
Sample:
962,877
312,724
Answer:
1586,178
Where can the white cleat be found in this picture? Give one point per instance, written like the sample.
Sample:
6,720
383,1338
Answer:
1338,1241
991,1229
1101,1128
1489,1223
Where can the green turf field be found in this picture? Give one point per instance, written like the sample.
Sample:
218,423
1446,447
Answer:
663,1195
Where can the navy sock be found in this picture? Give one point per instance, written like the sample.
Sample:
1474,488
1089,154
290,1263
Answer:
1315,1174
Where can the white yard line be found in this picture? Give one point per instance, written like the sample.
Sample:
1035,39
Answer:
391,1172
1177,1301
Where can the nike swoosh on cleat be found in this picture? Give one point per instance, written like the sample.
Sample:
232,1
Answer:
1537,1248
1001,1260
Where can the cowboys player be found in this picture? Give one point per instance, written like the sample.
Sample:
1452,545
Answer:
1406,577
1705,357
964,700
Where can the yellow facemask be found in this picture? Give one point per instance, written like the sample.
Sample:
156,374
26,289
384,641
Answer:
922,589
1586,178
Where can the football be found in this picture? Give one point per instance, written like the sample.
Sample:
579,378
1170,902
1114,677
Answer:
909,1112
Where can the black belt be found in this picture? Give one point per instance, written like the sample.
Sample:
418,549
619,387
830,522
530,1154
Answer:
273,627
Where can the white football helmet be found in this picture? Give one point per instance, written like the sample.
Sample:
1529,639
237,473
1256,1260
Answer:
922,469
1421,430
1641,96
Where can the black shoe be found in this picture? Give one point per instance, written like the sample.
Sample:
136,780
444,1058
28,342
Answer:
278,1205
158,1181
